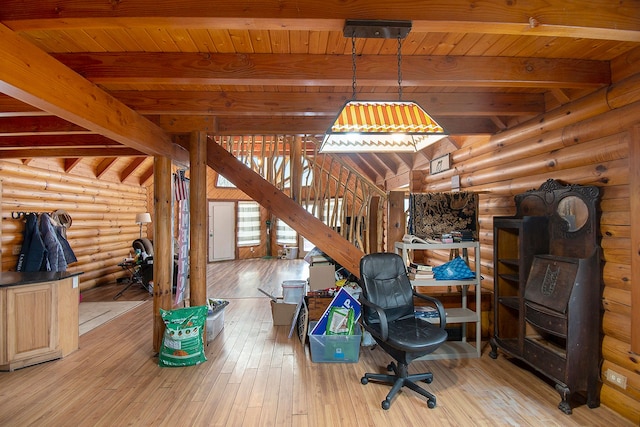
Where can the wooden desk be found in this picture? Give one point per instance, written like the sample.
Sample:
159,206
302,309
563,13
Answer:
39,317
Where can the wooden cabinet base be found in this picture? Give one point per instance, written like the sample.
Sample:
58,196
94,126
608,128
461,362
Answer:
33,360
39,322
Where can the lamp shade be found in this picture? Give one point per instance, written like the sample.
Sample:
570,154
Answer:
381,126
143,218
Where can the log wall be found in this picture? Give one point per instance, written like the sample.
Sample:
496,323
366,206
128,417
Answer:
586,142
103,214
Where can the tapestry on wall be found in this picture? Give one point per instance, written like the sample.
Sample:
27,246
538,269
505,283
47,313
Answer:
434,214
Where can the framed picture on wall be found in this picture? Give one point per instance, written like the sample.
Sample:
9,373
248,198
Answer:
440,164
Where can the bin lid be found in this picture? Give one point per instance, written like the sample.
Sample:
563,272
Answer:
293,283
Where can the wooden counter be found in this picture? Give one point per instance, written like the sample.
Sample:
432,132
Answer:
38,317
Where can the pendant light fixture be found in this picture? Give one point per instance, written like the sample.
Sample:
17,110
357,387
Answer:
380,126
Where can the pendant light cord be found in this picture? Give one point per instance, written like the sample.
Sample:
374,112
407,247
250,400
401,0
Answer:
353,65
399,68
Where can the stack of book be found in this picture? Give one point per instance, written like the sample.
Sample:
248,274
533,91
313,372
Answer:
418,271
426,312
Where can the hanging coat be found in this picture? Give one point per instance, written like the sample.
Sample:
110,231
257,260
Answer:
55,254
33,255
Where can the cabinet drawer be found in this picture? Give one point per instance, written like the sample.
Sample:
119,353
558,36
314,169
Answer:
550,322
545,360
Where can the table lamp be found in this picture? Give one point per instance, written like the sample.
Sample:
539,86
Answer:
143,218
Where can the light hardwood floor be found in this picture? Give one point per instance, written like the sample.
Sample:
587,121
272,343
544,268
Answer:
256,376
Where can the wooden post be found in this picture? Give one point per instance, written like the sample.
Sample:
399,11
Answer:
396,226
198,219
374,229
295,157
634,188
162,245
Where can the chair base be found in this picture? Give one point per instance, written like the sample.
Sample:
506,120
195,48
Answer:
399,379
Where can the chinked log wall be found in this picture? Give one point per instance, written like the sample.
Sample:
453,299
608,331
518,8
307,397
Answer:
103,215
585,142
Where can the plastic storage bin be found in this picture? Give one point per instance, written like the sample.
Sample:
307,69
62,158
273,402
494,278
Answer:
293,291
215,318
215,323
335,348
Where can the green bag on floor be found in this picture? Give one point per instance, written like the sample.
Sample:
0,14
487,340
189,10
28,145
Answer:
182,343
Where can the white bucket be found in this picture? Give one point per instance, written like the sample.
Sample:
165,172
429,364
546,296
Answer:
291,252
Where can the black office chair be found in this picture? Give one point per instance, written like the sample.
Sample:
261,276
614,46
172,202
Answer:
146,265
388,315
144,245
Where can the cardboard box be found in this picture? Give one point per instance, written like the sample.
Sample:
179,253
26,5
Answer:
322,276
282,313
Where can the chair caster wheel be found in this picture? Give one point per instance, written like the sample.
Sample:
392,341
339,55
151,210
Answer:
428,380
390,367
364,380
431,403
386,404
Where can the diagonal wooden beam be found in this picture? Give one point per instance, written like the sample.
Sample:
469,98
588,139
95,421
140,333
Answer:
133,165
32,76
260,190
104,166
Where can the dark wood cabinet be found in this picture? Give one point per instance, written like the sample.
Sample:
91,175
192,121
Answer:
547,288
516,241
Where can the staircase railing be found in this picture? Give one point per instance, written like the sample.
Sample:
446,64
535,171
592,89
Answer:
323,184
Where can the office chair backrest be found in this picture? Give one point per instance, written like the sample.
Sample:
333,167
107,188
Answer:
144,245
384,282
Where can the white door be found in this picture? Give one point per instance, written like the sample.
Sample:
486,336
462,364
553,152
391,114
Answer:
222,231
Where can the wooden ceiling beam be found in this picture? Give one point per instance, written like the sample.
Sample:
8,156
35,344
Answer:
537,18
34,77
11,107
133,165
30,125
242,125
146,176
71,163
104,166
334,70
51,141
356,163
372,162
389,160
188,103
70,152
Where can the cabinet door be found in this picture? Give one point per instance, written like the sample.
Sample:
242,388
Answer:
31,321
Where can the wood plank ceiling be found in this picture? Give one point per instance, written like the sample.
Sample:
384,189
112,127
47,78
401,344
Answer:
148,71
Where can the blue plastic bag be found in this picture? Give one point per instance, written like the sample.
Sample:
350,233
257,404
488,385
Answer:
456,269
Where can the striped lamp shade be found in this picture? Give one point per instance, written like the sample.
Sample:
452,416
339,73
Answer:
379,126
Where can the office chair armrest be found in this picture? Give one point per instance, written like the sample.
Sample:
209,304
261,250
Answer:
384,327
436,302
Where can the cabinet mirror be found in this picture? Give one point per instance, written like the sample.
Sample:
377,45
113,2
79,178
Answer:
574,211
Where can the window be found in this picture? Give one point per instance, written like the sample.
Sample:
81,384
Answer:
332,213
223,182
285,235
248,223
307,173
